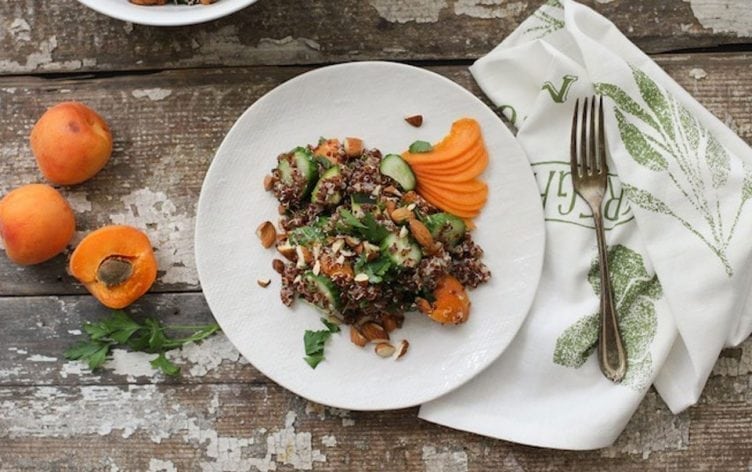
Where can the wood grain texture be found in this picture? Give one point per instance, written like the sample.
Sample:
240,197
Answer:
56,36
257,425
168,125
222,414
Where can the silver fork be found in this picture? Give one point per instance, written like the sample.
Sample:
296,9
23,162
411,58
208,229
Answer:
590,179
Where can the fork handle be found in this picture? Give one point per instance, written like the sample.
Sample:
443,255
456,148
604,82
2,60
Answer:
611,355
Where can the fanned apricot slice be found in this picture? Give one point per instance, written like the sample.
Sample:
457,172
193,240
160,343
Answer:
464,134
447,175
116,264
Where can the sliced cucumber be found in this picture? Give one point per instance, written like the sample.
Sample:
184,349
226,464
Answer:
305,165
446,228
300,162
329,300
357,200
403,252
395,167
321,195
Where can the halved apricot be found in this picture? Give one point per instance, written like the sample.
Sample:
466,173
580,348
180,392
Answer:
116,264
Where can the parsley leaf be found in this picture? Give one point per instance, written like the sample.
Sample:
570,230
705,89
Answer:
162,363
350,220
314,360
333,328
366,227
119,329
314,342
373,231
419,147
93,352
376,270
307,235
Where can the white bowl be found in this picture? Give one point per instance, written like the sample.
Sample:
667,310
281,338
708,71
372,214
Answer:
166,15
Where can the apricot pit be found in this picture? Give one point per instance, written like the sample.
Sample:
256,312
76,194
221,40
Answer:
116,264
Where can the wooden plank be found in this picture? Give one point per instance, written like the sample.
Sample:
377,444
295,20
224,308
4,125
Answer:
263,427
222,412
64,36
37,331
168,125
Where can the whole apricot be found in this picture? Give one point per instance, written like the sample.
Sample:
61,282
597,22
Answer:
36,223
71,143
116,264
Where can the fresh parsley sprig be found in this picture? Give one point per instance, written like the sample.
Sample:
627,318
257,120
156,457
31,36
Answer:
315,341
119,329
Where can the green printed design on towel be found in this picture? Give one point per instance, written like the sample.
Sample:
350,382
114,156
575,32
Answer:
560,95
511,114
546,19
663,136
634,294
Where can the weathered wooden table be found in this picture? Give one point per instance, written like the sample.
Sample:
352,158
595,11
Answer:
170,95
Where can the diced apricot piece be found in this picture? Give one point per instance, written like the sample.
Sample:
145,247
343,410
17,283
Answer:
71,143
36,223
452,304
116,264
331,149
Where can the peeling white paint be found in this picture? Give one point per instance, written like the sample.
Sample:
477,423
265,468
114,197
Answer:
78,368
75,332
159,465
224,45
698,73
18,350
419,11
207,355
292,448
724,16
196,359
444,460
41,59
153,94
35,60
131,364
78,201
329,440
170,232
7,374
489,8
20,30
288,42
41,358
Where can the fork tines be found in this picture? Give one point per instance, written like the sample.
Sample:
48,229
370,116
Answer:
588,147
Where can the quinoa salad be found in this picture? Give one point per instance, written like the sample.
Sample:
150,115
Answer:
357,241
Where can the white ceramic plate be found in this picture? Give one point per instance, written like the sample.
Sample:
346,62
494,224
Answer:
369,100
166,15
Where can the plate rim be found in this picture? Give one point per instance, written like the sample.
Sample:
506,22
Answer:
211,12
540,233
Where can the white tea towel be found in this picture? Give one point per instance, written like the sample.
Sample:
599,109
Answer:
678,229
